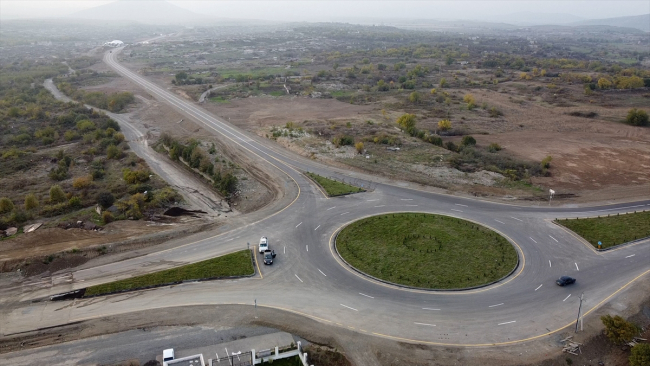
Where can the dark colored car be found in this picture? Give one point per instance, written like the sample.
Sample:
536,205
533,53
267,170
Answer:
268,256
565,280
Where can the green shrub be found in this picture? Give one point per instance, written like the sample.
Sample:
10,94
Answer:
135,176
618,329
31,202
640,355
74,202
494,147
56,194
6,205
468,141
105,199
449,145
107,217
637,117
494,112
114,152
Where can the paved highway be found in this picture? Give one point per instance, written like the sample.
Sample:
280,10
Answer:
309,279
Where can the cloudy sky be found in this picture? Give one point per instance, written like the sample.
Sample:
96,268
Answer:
339,10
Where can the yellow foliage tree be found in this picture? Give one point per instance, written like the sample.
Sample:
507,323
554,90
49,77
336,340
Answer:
359,147
444,125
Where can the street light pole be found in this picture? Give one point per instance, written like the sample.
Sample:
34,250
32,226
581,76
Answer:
579,318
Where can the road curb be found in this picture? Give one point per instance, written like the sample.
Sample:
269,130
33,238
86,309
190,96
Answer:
421,288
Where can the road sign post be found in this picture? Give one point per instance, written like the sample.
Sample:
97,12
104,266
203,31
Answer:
255,308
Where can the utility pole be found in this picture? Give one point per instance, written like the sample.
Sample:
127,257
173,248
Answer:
550,196
579,318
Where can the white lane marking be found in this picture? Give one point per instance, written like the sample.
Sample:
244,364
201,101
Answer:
366,295
297,277
429,325
298,224
345,213
307,247
531,238
538,287
630,256
491,306
549,263
316,227
372,200
458,204
381,206
285,250
406,199
345,306
230,239
554,239
321,272
577,266
516,219
217,356
566,298
514,321
411,205
429,309
501,222
330,208
456,210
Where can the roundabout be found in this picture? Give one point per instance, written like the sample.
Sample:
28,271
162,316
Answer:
426,251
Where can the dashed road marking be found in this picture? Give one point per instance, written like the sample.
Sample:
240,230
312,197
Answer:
298,277
345,213
307,247
372,200
554,239
381,206
298,224
429,309
491,306
366,295
516,219
330,208
345,306
630,256
316,227
456,210
514,321
459,204
501,222
321,272
538,287
566,298
531,238
549,263
428,325
406,199
576,266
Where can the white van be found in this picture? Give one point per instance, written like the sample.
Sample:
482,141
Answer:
168,355
264,244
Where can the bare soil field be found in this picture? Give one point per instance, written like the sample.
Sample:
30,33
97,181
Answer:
594,159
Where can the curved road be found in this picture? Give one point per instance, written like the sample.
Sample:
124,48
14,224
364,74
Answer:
308,278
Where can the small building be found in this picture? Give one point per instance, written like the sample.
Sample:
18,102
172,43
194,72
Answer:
114,43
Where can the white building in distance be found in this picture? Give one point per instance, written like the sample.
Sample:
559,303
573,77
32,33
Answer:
114,43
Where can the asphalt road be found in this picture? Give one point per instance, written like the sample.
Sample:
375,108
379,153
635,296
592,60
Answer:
309,279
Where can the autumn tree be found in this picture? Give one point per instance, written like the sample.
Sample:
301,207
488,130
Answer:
407,122
444,125
469,99
415,97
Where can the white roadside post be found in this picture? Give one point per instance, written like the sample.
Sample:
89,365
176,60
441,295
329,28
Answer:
550,195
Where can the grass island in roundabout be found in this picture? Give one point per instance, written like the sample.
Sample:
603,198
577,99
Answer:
426,251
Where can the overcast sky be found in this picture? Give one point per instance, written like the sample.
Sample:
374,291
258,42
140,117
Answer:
338,10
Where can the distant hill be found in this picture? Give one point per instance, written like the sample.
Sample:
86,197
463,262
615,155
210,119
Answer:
641,22
151,12
535,18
